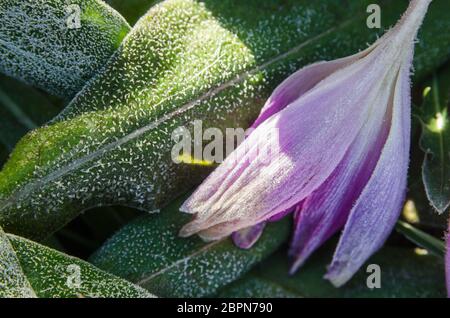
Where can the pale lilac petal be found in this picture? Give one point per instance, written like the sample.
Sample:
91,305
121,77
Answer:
282,214
377,209
288,91
301,82
246,238
214,232
312,143
326,210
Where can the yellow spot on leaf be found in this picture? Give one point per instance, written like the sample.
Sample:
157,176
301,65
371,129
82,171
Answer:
193,161
410,212
420,251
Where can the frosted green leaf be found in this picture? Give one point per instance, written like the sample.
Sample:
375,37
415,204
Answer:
404,274
22,108
13,282
150,253
41,43
28,269
418,210
215,61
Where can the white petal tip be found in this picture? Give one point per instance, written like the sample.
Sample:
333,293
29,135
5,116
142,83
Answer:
185,208
338,278
296,265
293,270
186,231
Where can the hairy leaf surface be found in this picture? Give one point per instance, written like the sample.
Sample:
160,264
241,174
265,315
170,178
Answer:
215,61
28,269
403,274
13,282
42,44
150,253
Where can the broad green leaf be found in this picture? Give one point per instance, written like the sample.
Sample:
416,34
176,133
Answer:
42,44
403,274
22,108
435,141
132,10
425,240
30,269
150,253
215,61
13,282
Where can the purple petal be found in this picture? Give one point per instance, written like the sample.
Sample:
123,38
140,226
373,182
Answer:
246,238
312,142
301,82
326,210
377,209
282,214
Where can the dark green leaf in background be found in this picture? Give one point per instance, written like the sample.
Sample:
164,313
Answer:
428,242
38,47
404,273
435,141
4,153
132,10
418,210
215,61
150,253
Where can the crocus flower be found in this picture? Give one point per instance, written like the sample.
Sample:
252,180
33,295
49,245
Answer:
344,138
